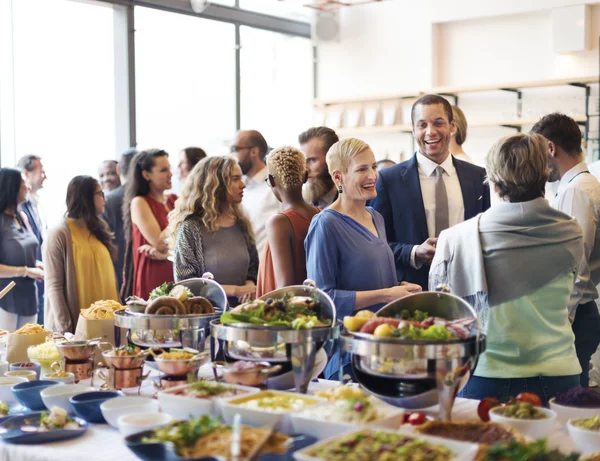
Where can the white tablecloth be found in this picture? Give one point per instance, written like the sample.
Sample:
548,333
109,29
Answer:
103,443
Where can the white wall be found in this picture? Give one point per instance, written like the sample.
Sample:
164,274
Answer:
397,46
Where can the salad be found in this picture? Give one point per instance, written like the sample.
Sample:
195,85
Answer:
379,446
416,326
207,390
56,419
579,397
170,289
534,451
297,312
355,410
206,436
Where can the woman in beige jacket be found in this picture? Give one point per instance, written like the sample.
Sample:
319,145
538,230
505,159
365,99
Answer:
79,253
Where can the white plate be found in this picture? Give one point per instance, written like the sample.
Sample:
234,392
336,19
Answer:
184,407
281,421
463,451
305,423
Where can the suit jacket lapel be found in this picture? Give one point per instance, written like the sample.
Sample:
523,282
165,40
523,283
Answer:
410,177
468,190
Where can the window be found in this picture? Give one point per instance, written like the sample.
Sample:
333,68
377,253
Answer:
276,85
289,9
63,91
185,82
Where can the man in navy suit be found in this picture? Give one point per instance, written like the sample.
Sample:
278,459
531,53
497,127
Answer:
430,192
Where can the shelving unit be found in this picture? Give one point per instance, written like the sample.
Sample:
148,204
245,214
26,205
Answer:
454,92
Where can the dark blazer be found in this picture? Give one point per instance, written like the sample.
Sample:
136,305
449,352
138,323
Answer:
400,202
113,216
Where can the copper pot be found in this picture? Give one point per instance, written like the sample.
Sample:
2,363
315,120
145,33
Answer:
182,367
77,350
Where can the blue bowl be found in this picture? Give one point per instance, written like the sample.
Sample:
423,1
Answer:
87,405
17,366
28,394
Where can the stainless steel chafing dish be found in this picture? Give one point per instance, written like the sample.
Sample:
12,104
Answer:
275,344
417,374
190,330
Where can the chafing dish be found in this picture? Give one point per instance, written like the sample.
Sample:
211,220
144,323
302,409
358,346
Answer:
293,349
148,330
417,374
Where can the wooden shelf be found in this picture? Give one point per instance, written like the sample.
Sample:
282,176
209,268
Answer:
455,90
477,124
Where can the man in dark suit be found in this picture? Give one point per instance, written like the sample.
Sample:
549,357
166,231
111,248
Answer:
430,192
113,215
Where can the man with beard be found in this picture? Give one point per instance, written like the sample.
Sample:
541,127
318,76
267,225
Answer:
109,176
578,196
34,176
319,190
251,149
432,191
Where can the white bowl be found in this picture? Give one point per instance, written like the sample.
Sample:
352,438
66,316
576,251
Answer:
69,379
58,396
139,422
310,423
113,408
586,440
6,384
281,421
463,451
532,428
3,367
30,375
565,413
184,407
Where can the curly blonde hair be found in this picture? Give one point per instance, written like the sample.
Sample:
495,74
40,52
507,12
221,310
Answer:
288,165
205,191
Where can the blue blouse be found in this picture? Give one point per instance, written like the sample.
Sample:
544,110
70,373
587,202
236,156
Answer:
343,257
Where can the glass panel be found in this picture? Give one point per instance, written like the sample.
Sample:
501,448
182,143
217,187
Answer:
276,86
185,82
290,9
63,91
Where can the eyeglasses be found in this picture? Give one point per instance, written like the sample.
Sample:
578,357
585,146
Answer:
100,193
270,180
233,149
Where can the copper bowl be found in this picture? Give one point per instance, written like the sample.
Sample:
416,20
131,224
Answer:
76,350
256,375
124,362
182,367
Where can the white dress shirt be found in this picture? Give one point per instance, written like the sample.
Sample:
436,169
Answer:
579,196
456,205
260,204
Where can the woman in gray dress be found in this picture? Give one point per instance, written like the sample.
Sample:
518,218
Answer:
18,260
209,232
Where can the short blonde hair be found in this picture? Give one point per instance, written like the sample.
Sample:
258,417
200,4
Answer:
518,166
461,125
341,153
288,165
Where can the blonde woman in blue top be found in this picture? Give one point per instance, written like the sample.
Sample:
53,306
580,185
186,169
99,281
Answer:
347,253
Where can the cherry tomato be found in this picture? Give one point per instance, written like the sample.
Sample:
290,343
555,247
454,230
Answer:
528,397
416,418
484,407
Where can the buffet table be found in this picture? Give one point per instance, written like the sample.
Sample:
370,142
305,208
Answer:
102,442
